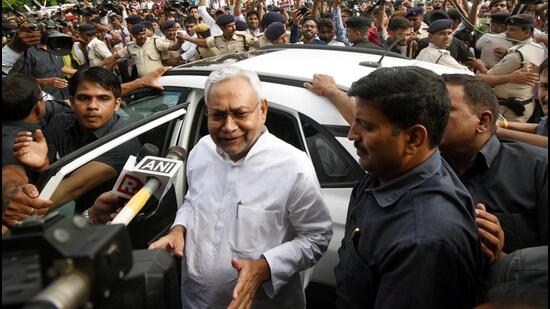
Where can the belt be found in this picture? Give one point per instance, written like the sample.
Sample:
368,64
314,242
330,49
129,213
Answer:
517,106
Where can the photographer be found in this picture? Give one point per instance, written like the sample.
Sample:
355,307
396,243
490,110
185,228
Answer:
47,68
23,39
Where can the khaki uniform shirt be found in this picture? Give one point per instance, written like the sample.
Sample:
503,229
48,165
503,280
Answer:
97,51
170,54
203,53
147,57
531,52
441,56
240,42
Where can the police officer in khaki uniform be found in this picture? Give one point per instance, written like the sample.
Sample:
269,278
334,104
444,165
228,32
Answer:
516,100
96,50
170,57
231,41
146,51
416,16
203,32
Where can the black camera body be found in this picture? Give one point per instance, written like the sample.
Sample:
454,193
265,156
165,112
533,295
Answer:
58,43
58,260
41,252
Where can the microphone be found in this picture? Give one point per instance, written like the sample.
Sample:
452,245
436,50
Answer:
156,173
378,64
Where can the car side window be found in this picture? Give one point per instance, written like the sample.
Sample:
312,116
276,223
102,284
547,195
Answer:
333,164
143,103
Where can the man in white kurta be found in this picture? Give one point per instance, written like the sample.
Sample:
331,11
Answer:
253,216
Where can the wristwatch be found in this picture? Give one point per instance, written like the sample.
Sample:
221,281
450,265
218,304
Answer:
86,216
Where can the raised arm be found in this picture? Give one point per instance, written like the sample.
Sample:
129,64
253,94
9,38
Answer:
325,86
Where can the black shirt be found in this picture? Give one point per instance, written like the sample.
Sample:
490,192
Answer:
9,132
39,63
365,44
511,179
418,244
64,135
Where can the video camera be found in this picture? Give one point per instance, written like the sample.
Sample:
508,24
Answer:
58,43
177,4
59,262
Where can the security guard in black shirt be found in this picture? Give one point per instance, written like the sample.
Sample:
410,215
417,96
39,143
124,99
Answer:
95,98
410,237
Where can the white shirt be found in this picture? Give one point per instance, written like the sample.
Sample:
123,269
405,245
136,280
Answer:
434,54
188,50
9,57
207,19
487,44
268,203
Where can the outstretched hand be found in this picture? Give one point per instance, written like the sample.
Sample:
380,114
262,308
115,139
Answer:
31,152
173,243
252,273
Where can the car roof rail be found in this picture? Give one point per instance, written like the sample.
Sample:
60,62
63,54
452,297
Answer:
361,50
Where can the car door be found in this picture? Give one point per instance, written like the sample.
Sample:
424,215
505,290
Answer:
336,169
152,117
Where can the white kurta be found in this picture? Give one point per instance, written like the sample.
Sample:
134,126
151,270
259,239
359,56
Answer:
268,203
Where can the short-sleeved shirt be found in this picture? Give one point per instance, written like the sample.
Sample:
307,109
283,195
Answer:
511,179
411,242
63,135
458,49
9,57
97,51
528,51
39,63
487,44
170,54
147,57
241,41
434,54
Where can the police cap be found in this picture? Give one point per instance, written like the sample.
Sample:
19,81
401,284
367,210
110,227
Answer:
86,28
415,11
274,31
440,24
225,19
241,25
138,28
169,24
200,28
522,20
271,17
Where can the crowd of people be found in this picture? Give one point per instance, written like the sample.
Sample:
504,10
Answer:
453,210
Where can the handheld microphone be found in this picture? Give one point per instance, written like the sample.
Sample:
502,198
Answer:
156,173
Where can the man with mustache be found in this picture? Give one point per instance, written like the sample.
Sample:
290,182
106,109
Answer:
410,236
441,37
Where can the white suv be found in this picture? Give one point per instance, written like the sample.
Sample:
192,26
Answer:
176,116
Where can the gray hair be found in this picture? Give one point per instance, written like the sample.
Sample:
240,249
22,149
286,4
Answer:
226,73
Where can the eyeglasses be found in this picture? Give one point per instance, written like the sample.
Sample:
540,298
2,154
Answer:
238,115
